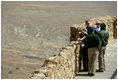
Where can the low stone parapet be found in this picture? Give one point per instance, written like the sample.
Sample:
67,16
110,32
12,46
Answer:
62,66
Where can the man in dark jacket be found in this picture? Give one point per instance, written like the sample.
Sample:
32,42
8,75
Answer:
103,34
94,45
83,49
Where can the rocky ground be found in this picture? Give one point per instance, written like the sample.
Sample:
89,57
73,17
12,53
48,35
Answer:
34,31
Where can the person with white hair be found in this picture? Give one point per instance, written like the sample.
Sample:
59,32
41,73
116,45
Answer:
97,29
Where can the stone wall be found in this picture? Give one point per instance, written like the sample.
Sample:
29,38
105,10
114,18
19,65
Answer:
61,66
111,27
65,65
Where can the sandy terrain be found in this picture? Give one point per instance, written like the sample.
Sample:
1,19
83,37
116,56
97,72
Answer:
34,31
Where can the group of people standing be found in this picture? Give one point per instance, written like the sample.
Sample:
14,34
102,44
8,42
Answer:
93,41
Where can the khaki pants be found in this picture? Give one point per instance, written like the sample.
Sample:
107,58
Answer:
92,58
101,58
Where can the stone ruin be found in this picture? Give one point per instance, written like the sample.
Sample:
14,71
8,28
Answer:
66,64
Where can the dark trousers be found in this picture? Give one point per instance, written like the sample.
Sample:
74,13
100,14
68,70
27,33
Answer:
85,58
